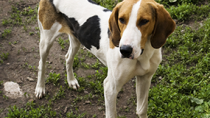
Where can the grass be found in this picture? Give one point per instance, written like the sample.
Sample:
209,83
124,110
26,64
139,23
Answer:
182,80
6,32
184,90
30,112
53,78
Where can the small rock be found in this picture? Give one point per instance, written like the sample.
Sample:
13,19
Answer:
125,107
182,31
65,110
30,79
49,62
8,63
19,82
57,109
86,92
84,48
99,108
87,102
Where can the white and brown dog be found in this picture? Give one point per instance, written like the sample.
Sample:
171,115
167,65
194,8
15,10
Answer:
127,40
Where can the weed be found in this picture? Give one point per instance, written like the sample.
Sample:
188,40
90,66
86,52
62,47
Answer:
59,94
73,115
53,78
30,111
96,65
76,61
1,83
5,97
62,43
5,22
31,33
5,33
4,56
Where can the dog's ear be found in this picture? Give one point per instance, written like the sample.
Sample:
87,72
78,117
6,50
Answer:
114,27
164,26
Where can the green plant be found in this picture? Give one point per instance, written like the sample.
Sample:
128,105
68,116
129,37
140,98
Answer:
53,78
31,112
59,94
72,115
5,33
4,56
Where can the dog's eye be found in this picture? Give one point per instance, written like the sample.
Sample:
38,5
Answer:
122,20
143,22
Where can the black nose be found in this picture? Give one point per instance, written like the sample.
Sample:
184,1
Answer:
126,50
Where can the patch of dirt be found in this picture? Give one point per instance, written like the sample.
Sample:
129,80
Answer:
22,63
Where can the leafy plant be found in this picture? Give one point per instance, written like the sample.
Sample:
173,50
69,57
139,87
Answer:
53,78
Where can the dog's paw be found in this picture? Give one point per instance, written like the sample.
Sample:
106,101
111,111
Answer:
73,84
40,92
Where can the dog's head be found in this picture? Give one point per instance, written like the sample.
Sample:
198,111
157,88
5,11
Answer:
133,22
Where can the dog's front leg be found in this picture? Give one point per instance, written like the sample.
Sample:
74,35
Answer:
110,96
142,90
112,86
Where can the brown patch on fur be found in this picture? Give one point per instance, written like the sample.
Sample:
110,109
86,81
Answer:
122,10
160,24
114,28
145,12
164,26
48,16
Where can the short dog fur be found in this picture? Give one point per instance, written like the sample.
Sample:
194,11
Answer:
127,40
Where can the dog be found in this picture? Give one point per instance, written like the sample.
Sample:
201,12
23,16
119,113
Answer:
127,40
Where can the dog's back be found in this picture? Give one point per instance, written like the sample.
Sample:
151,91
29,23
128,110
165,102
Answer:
84,20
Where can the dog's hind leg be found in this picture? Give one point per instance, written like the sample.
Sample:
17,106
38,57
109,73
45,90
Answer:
47,37
73,48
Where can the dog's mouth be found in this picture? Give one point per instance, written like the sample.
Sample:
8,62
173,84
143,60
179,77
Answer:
131,56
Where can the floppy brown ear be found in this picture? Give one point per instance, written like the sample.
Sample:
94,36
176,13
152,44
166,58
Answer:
164,26
114,28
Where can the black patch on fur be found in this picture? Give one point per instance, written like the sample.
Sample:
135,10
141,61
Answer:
92,2
88,33
107,10
109,33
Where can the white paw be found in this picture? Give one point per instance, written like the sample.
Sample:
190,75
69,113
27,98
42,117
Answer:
73,84
40,92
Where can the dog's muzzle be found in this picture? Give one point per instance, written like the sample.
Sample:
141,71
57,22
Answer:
126,51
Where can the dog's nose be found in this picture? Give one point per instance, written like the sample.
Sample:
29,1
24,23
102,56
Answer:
126,50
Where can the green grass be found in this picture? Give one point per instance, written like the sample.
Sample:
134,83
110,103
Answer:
184,90
3,57
31,112
53,78
6,32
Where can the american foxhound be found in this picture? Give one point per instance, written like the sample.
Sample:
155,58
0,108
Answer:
127,40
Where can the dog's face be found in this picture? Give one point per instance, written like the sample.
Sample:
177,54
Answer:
133,22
